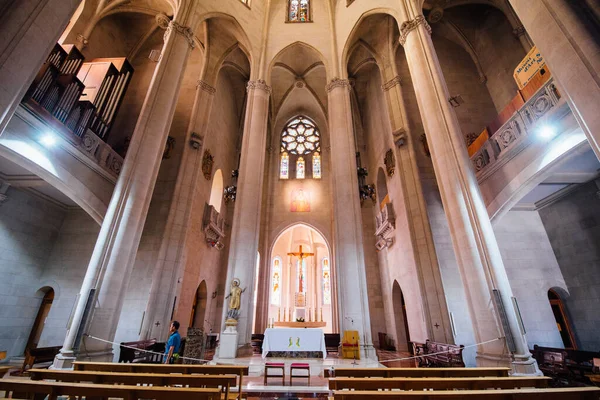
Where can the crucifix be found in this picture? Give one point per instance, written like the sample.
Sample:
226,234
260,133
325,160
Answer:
301,255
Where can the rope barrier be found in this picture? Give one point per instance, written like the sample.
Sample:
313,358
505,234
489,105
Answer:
145,351
440,352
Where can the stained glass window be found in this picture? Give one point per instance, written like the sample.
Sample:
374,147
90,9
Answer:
284,168
299,10
300,168
316,161
276,282
300,137
326,270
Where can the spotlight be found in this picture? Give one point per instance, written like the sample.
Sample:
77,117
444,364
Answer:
48,140
547,131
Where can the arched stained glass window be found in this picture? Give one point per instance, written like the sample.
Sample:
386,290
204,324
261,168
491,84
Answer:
316,164
276,282
300,137
299,11
326,282
284,167
300,168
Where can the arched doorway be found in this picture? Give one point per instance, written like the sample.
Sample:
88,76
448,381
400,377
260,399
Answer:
382,191
302,286
199,306
402,332
562,320
216,192
40,319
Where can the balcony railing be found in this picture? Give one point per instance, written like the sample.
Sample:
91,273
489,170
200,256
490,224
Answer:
517,128
214,227
385,224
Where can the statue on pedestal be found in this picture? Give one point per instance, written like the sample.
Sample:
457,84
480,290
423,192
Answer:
234,296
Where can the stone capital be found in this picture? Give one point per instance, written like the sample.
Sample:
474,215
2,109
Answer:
166,23
205,87
337,82
397,80
258,84
519,31
410,25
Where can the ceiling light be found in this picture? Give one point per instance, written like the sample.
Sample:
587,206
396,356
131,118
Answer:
547,131
48,140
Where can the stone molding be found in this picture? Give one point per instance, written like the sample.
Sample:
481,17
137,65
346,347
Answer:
82,39
337,82
397,80
166,23
410,25
260,85
519,31
206,87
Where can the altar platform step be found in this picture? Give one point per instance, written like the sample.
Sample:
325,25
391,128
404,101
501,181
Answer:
256,364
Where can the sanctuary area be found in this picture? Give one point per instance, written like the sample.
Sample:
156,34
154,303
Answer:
304,185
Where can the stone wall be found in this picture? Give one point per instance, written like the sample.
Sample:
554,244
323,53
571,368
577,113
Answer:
29,227
532,270
573,226
65,270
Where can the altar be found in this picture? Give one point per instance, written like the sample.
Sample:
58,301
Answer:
294,340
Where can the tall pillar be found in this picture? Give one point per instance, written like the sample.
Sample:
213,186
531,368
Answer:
473,239
28,32
246,217
351,278
566,40
110,267
171,256
406,186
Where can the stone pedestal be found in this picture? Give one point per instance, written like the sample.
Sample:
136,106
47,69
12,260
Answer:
228,345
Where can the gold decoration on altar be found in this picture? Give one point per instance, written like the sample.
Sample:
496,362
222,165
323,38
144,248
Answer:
294,324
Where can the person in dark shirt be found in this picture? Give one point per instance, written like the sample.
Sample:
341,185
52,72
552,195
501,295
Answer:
173,343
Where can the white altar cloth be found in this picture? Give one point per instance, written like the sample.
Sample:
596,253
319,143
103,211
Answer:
294,339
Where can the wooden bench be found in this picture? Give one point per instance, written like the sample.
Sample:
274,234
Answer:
476,383
575,393
125,378
3,371
129,354
40,389
239,370
563,364
435,354
415,372
38,355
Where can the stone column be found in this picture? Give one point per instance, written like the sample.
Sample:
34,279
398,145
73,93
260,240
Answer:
28,32
351,277
566,40
475,246
405,185
112,260
171,257
246,217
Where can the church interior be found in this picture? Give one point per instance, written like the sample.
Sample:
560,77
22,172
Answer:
308,184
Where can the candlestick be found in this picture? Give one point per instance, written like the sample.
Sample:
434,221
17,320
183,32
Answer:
284,314
279,315
290,314
309,316
321,314
316,315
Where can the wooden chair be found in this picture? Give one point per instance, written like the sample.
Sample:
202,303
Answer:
351,345
301,367
126,378
416,372
574,393
239,370
272,365
40,389
478,383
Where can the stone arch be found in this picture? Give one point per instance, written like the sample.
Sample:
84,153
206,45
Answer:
382,189
199,306
400,319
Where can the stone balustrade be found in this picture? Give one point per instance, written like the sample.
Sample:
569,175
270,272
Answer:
214,227
512,135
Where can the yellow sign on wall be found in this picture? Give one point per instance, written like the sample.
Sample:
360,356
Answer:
528,67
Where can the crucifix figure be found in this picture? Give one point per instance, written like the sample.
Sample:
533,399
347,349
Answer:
301,255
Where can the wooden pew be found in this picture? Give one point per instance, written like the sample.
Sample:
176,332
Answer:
476,383
415,372
574,393
127,378
40,389
239,370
